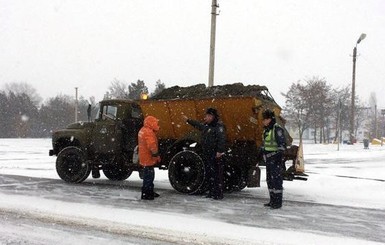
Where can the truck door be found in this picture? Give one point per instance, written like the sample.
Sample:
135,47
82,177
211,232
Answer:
106,132
133,122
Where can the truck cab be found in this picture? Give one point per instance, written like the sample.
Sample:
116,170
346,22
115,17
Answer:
106,144
116,127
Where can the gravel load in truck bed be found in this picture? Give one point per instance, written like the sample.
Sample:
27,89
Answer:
200,91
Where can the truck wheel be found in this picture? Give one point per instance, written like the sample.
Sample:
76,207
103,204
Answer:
234,178
186,172
116,172
117,169
71,165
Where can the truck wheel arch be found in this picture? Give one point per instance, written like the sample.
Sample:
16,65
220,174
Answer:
183,143
65,142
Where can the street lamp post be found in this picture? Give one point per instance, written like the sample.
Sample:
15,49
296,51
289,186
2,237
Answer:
362,37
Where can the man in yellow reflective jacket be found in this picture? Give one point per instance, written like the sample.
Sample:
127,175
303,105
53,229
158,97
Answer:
274,144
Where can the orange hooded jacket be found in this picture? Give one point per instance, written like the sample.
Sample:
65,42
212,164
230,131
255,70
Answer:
148,142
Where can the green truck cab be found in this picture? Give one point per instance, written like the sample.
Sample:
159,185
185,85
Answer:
106,144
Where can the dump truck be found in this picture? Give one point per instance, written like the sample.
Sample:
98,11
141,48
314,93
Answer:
109,143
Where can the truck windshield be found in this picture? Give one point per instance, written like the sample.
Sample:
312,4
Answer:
109,111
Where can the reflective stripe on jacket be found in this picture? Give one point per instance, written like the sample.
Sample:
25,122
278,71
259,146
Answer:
274,138
269,143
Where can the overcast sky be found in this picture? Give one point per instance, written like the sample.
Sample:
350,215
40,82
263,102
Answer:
57,45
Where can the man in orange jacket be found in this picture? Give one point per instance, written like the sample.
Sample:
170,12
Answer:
148,155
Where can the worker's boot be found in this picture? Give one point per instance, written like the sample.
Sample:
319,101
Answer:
277,201
269,203
147,195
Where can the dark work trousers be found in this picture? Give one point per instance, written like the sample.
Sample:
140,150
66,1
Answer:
274,178
214,170
148,181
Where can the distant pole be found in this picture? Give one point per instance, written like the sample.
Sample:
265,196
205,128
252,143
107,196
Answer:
76,104
214,14
352,138
383,127
375,122
339,124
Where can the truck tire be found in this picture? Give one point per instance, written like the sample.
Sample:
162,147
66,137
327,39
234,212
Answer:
234,178
71,165
117,168
186,173
116,172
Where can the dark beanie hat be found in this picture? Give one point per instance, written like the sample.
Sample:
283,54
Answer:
212,111
267,114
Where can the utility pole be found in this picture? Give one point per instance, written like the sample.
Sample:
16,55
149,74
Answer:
76,104
352,138
339,124
375,122
214,6
383,127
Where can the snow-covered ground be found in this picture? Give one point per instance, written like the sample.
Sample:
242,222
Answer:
343,201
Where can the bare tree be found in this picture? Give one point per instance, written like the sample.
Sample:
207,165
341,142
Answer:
122,90
118,90
318,96
310,105
296,109
342,96
24,88
373,115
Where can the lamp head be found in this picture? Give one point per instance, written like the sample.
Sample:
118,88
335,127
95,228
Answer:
362,37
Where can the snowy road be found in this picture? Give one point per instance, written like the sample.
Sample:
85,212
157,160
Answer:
343,201
21,228
239,208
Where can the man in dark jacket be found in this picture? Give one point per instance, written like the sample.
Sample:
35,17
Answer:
213,143
274,144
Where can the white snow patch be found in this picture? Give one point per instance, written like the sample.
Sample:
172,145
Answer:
178,226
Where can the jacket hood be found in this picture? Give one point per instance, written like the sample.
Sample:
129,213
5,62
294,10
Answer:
152,123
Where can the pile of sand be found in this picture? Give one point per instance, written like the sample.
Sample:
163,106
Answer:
200,91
